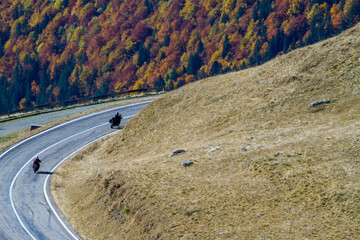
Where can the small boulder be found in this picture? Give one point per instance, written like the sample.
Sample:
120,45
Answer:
246,148
177,152
213,149
318,102
34,126
187,163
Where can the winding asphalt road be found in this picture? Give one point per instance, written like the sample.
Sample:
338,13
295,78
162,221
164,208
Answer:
26,209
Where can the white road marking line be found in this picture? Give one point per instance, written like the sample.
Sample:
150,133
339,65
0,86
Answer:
47,179
17,174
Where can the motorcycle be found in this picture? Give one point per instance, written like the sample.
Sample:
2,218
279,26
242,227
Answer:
36,166
115,121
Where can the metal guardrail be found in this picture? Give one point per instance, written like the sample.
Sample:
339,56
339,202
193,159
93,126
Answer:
79,100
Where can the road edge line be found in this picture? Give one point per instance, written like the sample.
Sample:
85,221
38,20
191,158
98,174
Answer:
47,189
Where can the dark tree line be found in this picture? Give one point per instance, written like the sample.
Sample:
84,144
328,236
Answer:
75,49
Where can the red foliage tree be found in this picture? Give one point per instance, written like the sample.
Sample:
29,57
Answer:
176,44
175,25
297,25
86,18
140,32
128,75
140,14
95,44
172,12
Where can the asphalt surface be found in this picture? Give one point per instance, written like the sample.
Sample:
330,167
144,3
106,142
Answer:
26,209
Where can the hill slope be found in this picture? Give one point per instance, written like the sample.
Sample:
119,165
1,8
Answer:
282,170
59,50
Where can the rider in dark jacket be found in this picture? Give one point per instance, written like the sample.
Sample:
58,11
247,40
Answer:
37,160
117,118
36,164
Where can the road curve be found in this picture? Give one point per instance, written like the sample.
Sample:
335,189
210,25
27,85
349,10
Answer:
26,209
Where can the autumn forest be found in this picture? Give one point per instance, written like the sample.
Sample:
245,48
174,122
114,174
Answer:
56,50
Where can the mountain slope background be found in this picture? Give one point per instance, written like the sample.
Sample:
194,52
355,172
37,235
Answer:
56,50
266,166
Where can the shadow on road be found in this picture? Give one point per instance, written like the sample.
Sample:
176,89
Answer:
121,127
44,172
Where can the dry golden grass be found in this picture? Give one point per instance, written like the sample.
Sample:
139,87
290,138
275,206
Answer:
299,179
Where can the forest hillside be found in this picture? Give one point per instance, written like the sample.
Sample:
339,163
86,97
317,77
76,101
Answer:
55,50
267,164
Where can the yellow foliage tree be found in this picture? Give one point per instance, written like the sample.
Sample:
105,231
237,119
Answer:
194,38
189,10
337,16
22,103
109,47
86,8
264,49
150,69
164,31
210,4
216,55
58,5
190,78
140,73
135,58
139,84
185,58
75,74
351,8
35,19
28,7
294,9
228,6
78,32
35,89
130,45
118,86
317,12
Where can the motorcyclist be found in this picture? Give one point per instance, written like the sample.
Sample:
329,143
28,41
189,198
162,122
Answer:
115,121
117,118
37,160
36,164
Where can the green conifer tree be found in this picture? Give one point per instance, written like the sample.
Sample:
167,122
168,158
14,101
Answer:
44,82
194,64
226,46
160,82
215,68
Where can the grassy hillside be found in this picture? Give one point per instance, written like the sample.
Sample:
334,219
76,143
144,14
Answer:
282,170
